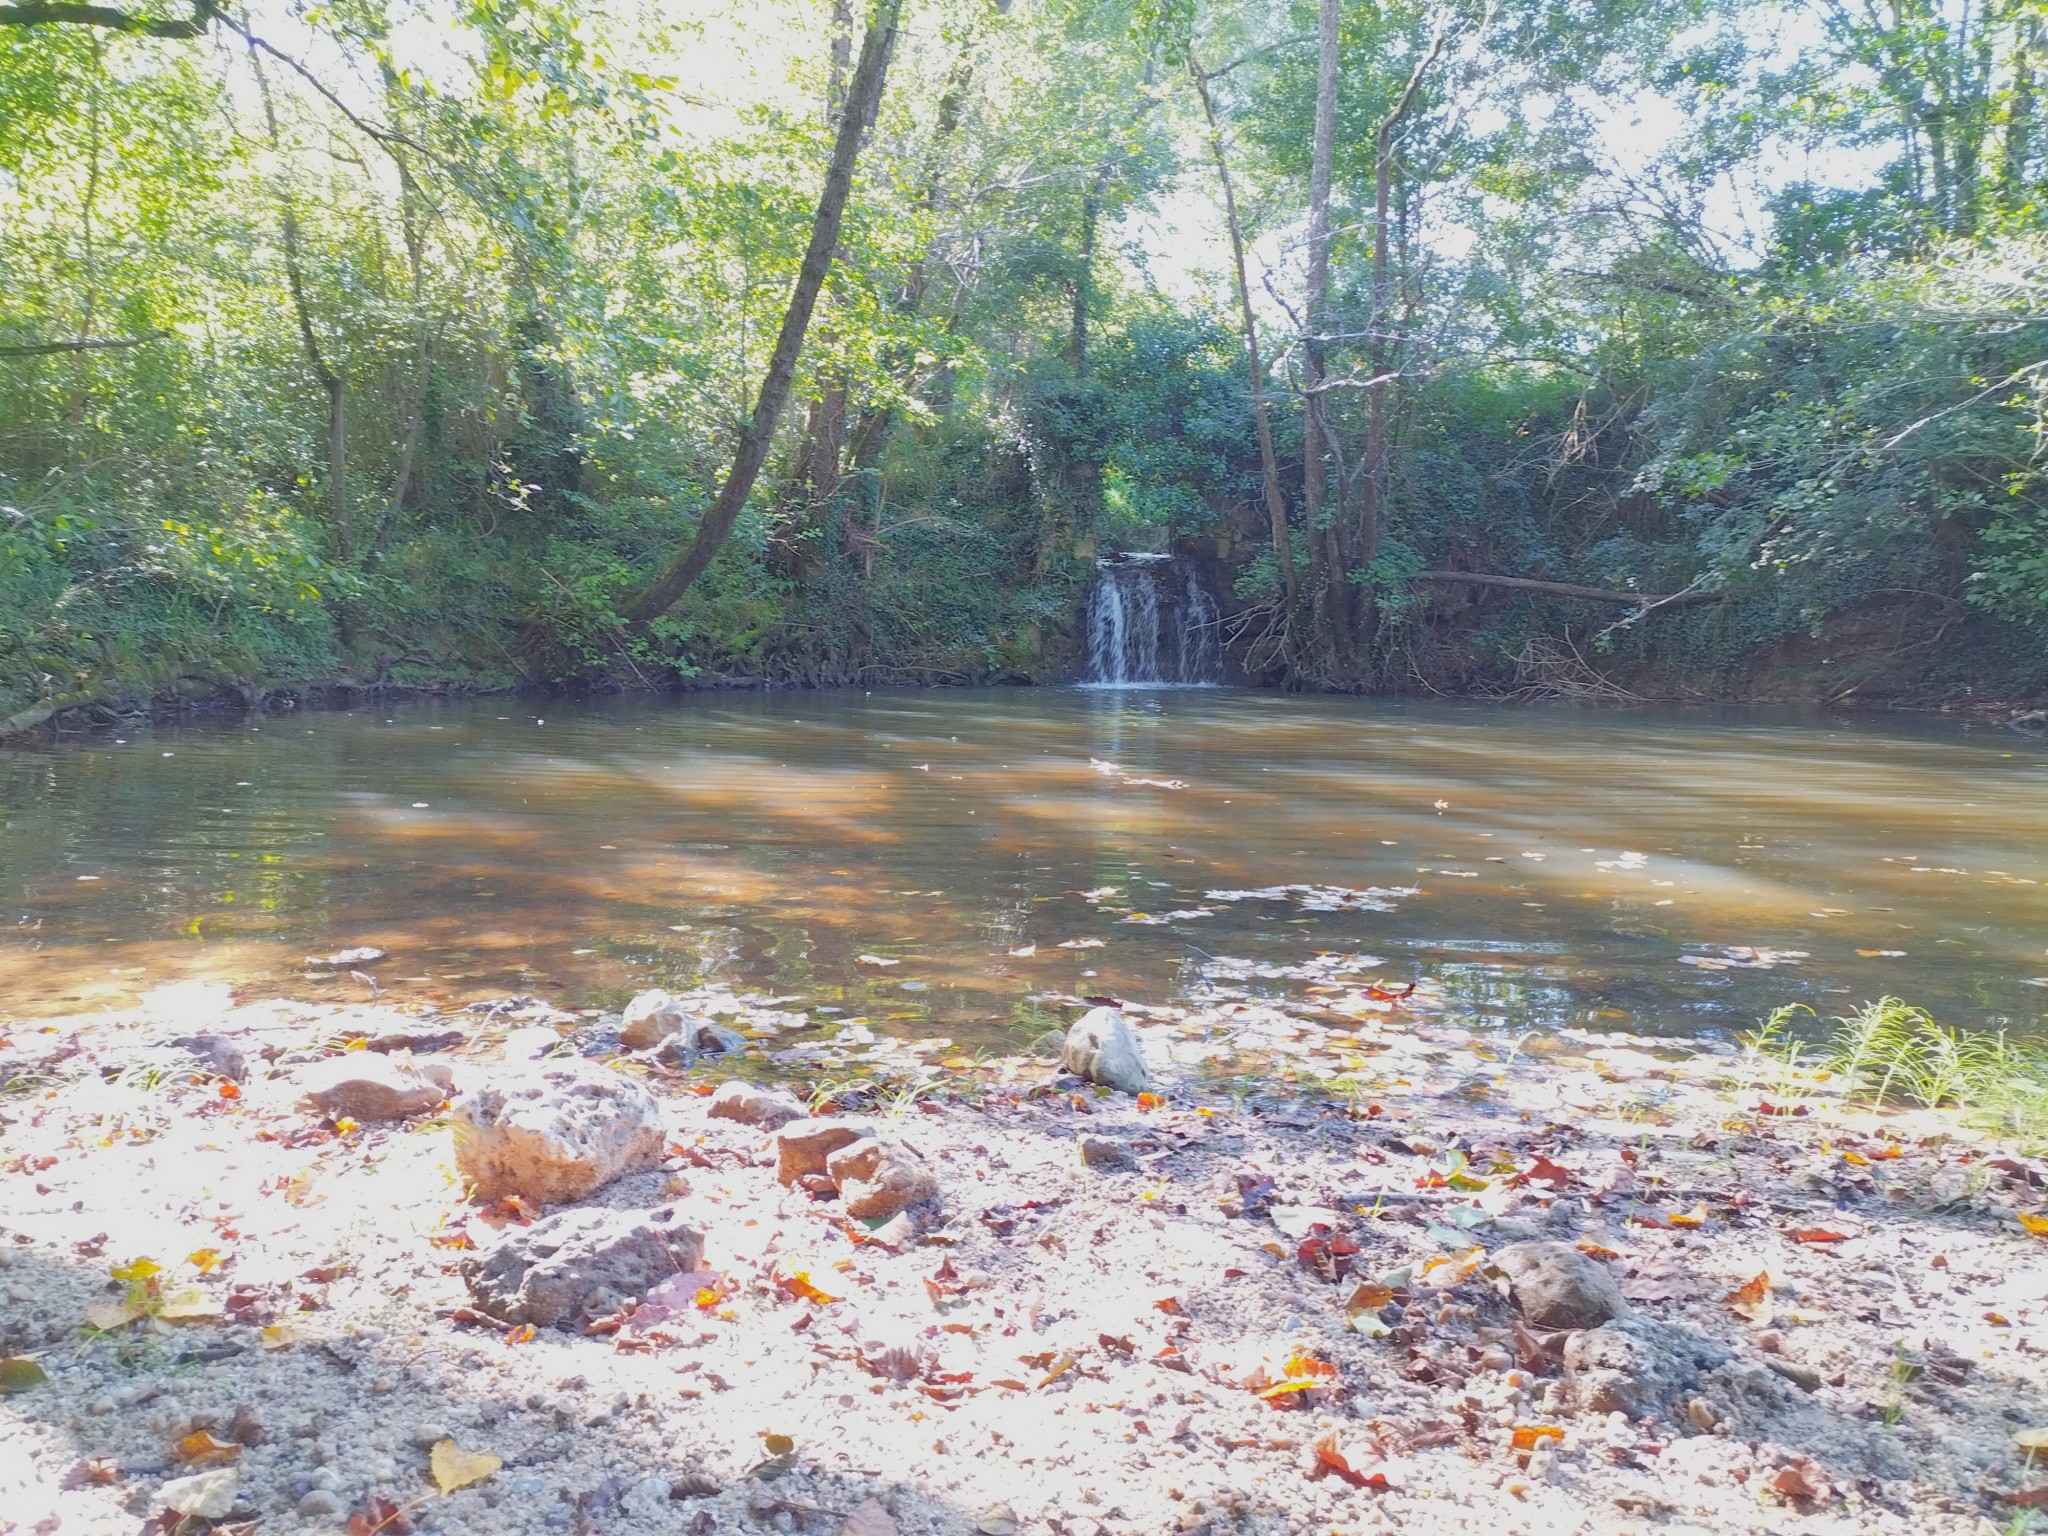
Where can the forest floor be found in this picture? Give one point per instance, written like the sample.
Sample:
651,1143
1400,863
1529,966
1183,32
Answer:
1281,1314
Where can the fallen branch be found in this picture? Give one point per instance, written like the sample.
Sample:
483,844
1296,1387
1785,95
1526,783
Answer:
1691,598
84,344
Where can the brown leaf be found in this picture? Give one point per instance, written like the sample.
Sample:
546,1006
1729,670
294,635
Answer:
2028,1498
1801,1480
1752,1299
868,1518
379,1516
1815,1235
200,1449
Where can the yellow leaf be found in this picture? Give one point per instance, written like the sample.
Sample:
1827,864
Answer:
136,1270
1059,1368
453,1467
188,1306
779,1445
2035,1222
1692,1218
1528,1436
278,1336
1752,1299
110,1315
201,1450
205,1260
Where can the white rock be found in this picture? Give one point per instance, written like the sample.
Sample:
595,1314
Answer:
742,1101
208,1495
1101,1048
649,1019
555,1131
530,1042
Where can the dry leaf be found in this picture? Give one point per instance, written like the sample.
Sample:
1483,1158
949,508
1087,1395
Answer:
779,1445
1528,1436
1330,1456
1801,1480
190,1305
1695,1217
453,1467
107,1316
799,1285
2035,1223
201,1450
2031,1439
2028,1498
278,1336
19,1373
1752,1299
1061,1364
205,1260
1815,1235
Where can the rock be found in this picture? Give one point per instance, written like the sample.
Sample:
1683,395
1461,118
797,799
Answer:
319,1504
555,1131
532,1042
750,1105
1109,1155
345,959
550,1272
1804,1377
804,1146
1556,1286
214,1054
366,1086
878,1178
416,1040
869,1518
208,1495
1637,1367
649,1019
1101,1048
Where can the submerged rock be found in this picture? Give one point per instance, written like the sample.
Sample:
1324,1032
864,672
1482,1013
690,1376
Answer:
1556,1286
555,1131
803,1147
1101,1048
366,1086
546,1273
879,1177
751,1105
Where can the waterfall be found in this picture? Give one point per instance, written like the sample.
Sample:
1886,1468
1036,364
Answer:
1145,631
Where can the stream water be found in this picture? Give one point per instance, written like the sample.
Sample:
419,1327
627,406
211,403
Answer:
1642,870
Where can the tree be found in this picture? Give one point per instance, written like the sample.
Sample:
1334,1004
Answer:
863,99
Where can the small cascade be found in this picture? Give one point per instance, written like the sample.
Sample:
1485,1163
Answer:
1151,624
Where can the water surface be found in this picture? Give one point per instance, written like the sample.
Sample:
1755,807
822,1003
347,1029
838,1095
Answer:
1605,869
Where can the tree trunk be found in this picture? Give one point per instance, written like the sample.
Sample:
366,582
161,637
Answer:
863,98
1315,420
1269,465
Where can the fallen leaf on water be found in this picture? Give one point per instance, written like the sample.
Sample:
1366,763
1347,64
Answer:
1752,1299
1815,1235
868,1518
200,1449
453,1467
1528,1436
19,1373
874,960
2036,1224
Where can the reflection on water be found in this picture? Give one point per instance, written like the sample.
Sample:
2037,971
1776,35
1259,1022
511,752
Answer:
934,859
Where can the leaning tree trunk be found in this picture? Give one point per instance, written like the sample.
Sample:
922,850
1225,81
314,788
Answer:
863,98
1269,464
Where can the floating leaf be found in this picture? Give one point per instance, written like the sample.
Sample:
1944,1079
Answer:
452,1467
18,1373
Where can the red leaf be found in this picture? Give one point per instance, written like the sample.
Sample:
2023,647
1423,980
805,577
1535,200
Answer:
2028,1498
1815,1235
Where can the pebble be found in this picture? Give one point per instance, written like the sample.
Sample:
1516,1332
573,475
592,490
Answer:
320,1504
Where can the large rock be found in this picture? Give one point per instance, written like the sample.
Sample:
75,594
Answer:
555,1131
365,1086
802,1147
751,1105
1108,1154
879,1177
1638,1367
1556,1286
577,1261
1101,1048
650,1019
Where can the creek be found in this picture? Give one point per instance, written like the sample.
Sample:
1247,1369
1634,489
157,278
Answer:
1643,870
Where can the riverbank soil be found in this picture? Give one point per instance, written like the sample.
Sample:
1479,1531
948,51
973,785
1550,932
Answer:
1344,1269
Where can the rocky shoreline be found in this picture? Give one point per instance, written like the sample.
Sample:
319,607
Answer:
1335,1265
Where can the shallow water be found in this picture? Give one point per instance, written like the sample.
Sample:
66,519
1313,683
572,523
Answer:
1564,864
